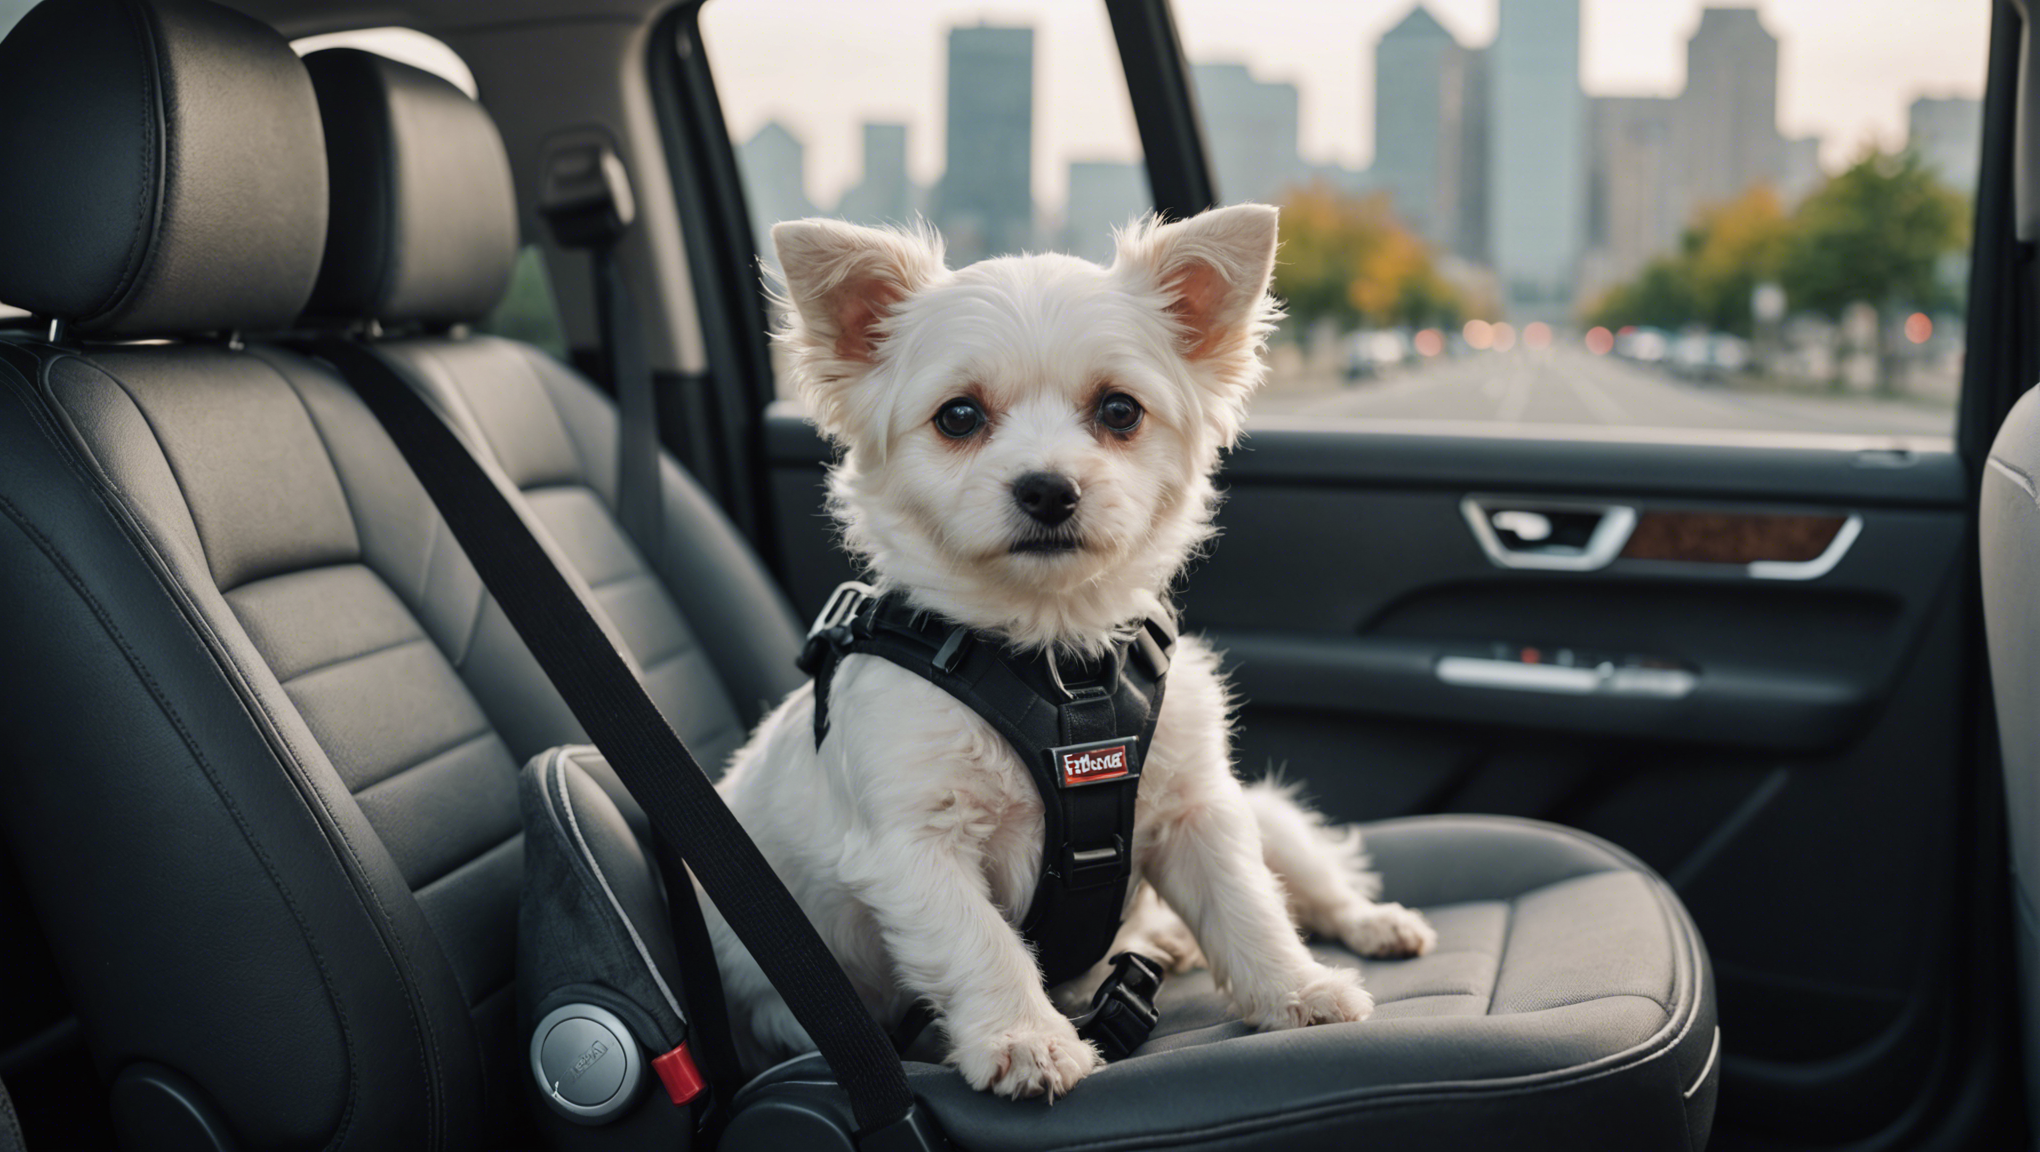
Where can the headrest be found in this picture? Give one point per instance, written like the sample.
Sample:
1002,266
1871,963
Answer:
162,172
424,219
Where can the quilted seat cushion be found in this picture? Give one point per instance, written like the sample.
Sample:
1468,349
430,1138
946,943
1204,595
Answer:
1568,1005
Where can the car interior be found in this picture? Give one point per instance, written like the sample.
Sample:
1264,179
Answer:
1723,832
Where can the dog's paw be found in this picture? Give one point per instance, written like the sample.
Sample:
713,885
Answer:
1024,1062
1388,931
1325,995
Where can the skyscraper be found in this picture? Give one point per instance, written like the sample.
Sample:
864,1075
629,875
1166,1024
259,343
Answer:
985,203
1634,164
774,164
1728,115
1948,135
1250,130
1430,119
1104,195
1537,157
883,195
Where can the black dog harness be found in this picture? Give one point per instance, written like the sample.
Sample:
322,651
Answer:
1082,728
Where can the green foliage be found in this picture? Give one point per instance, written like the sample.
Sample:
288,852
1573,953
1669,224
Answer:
1877,232
1348,260
1709,280
526,311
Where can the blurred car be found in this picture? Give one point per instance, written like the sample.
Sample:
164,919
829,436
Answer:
1643,345
1372,351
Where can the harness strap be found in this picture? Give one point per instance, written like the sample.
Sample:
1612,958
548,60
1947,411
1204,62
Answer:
1081,729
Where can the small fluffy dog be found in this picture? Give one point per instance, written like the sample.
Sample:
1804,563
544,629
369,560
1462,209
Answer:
912,836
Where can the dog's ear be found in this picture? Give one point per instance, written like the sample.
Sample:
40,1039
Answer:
843,281
1213,269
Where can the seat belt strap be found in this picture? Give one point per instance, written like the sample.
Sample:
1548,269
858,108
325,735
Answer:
585,197
638,499
661,775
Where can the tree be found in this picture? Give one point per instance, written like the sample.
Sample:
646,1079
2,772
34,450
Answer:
1729,249
1875,233
1350,261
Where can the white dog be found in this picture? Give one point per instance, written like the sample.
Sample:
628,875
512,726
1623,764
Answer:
912,836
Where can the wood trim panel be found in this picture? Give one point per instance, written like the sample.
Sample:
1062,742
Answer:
1730,537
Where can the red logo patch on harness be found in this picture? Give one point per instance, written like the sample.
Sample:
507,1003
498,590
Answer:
1090,765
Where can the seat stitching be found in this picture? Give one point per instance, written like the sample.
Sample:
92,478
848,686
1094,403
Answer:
621,578
1502,954
487,850
169,465
329,665
146,197
456,746
685,648
1331,1108
192,748
583,472
421,1024
2017,476
99,483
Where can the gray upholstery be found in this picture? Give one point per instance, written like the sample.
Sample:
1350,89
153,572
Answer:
1568,1006
424,222
708,627
164,169
2009,531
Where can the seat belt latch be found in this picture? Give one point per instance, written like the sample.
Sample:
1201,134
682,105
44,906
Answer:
678,1073
1123,1012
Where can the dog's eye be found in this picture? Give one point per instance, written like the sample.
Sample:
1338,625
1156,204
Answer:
1119,412
959,419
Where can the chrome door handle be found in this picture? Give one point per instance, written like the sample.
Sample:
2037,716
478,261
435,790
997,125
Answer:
1525,532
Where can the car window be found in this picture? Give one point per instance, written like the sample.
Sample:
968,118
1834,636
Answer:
1585,213
1007,125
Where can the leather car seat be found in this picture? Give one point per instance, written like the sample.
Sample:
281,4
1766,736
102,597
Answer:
2008,528
1569,1004
254,789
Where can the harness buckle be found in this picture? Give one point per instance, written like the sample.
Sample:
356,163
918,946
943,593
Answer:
1123,1012
832,624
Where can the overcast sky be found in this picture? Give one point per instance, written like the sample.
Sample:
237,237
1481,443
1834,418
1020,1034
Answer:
1848,68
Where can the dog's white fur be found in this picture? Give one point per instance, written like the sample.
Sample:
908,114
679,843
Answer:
912,837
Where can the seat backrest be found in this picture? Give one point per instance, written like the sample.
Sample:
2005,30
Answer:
270,830
2009,531
422,237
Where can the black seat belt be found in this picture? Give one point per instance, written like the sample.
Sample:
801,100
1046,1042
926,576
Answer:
661,775
586,199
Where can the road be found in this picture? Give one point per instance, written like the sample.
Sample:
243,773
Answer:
1565,386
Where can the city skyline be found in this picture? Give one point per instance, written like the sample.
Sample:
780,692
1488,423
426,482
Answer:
1844,74
1533,191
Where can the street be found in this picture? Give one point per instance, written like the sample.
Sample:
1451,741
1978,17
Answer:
1568,386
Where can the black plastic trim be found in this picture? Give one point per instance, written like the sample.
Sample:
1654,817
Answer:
723,263
1164,106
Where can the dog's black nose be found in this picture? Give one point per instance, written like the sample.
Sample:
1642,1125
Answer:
1046,496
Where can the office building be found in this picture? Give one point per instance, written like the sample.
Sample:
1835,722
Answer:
1250,132
985,202
774,164
1430,117
1537,158
883,195
1104,195
1948,135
